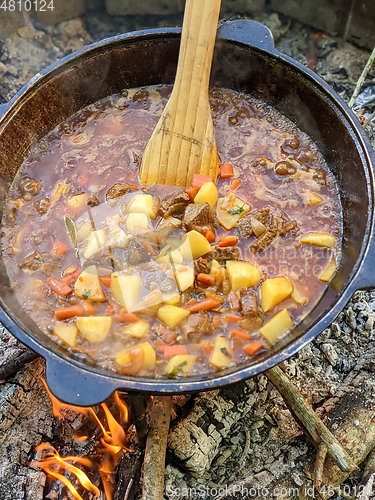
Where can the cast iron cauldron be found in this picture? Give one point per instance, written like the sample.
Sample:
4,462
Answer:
245,60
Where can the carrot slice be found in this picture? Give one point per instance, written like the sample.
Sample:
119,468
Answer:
71,278
206,279
126,318
209,235
68,312
207,348
58,287
251,349
205,305
216,321
106,280
173,350
199,180
190,302
241,335
233,318
192,192
235,184
59,248
88,307
228,241
148,247
110,310
226,170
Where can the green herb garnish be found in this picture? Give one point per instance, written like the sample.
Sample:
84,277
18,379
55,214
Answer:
86,294
236,211
177,369
225,352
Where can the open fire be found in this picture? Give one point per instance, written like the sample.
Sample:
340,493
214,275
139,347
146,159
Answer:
105,460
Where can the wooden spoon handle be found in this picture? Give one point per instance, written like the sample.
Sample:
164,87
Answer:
183,141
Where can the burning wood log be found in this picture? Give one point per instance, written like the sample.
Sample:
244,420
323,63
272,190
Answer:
156,446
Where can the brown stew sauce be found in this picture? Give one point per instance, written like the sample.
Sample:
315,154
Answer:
96,153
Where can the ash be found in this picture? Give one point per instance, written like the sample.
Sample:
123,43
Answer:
243,435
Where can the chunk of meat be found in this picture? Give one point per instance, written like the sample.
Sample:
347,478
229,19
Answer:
92,201
226,253
197,325
197,216
27,185
244,223
115,192
253,316
174,204
166,334
45,263
160,280
135,253
202,265
276,228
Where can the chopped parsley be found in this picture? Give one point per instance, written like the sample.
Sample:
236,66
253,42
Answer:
225,352
86,294
236,211
178,369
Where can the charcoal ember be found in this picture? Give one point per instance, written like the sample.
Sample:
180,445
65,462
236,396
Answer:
174,204
202,265
198,217
226,253
262,215
115,192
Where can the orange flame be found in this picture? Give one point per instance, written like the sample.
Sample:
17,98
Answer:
113,442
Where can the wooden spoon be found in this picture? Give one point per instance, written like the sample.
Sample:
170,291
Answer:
183,142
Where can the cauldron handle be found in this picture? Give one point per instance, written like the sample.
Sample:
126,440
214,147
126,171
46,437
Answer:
77,387
248,32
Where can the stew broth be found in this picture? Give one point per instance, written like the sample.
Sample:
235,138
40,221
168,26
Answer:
147,303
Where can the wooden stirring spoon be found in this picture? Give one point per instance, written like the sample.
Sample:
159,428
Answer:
183,142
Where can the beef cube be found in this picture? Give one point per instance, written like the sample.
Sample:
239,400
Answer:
198,324
197,216
226,253
277,225
202,265
244,223
135,253
115,192
45,262
253,316
174,204
93,201
263,242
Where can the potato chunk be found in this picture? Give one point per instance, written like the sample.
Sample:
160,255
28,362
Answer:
144,204
88,285
77,201
172,315
124,356
95,241
319,240
229,214
194,245
273,291
329,271
185,277
277,326
207,194
94,328
221,357
181,363
125,289
314,199
242,274
139,329
136,220
66,332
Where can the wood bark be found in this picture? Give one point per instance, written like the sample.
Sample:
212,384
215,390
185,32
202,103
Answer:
26,421
13,354
156,446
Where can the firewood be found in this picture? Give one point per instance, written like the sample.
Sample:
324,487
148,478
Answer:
321,437
128,472
13,354
156,446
